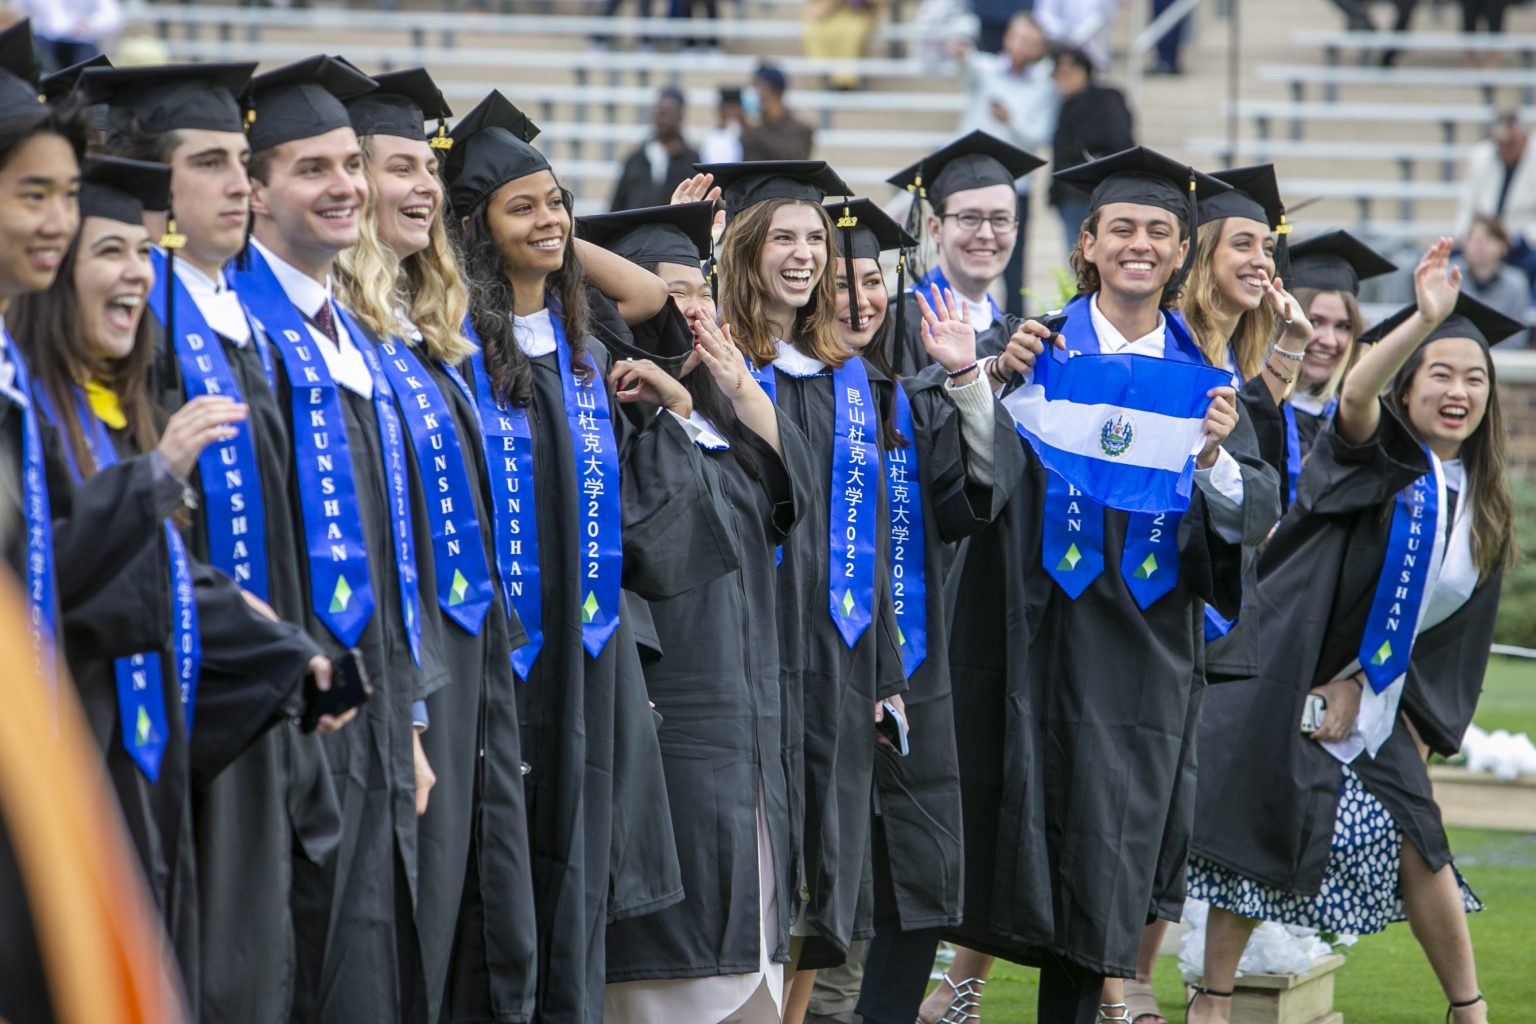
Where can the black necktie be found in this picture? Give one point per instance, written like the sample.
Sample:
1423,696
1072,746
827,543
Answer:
326,321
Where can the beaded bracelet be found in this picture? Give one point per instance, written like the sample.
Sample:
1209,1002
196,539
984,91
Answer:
962,371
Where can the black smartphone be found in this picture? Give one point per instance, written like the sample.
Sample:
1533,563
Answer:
1054,322
349,689
893,727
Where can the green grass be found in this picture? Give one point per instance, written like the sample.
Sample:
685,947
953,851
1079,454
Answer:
1386,979
1509,696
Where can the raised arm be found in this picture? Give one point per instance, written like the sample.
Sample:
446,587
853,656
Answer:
1435,295
638,293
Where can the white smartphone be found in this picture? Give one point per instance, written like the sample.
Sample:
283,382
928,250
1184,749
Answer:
1312,713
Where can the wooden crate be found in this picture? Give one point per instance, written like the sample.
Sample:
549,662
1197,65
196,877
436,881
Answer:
1288,998
1479,800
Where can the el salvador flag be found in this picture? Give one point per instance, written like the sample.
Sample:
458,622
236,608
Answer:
1123,429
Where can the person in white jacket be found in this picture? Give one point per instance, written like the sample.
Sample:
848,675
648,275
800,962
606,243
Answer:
71,31
1501,183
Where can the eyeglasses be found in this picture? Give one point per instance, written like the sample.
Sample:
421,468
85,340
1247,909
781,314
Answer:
970,220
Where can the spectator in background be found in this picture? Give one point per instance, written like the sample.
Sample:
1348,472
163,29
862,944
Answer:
71,31
839,30
723,143
777,134
1011,96
1094,122
1080,23
662,163
1501,183
1485,275
992,21
1170,43
1487,14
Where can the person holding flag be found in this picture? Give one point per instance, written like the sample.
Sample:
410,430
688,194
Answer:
1315,806
1132,512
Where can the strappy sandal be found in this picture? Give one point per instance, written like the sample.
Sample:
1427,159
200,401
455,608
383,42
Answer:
1196,991
1141,1003
962,1009
1450,1010
1121,1013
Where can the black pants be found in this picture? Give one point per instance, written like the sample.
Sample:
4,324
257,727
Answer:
1488,12
1069,994
896,973
1013,274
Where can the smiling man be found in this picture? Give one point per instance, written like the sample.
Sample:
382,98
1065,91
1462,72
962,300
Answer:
353,502
973,223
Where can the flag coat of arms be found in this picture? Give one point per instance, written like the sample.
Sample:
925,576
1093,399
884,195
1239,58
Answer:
1123,429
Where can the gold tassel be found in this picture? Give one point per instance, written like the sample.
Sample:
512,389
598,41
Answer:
441,141
172,239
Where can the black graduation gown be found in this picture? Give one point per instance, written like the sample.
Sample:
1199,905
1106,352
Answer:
358,954
599,827
919,861
1268,795
276,799
829,690
1076,721
911,358
249,680
475,890
715,683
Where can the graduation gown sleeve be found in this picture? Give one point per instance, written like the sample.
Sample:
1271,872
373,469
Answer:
1445,677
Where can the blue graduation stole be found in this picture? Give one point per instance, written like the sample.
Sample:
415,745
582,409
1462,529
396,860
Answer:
1387,643
140,694
234,506
38,516
393,455
935,276
1072,538
340,589
508,447
597,482
909,590
1293,453
464,588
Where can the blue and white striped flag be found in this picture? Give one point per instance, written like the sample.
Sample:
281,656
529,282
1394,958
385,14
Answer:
1123,429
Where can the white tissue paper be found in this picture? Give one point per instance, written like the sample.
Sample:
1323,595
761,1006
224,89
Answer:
1272,948
1507,757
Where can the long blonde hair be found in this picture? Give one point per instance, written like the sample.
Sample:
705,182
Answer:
1304,298
742,288
1201,302
377,285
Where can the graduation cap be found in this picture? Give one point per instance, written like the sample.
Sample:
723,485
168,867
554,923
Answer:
658,234
977,160
1335,262
168,97
865,232
1146,177
61,83
491,146
400,105
1470,318
1255,195
304,99
121,189
19,71
744,185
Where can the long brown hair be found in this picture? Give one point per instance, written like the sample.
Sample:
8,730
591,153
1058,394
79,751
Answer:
1087,274
1200,302
1487,471
492,300
742,288
49,328
1305,297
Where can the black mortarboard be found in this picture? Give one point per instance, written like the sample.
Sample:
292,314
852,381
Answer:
491,146
657,234
169,97
303,99
976,160
19,70
121,189
1470,318
1255,195
61,83
402,103
1146,177
747,184
873,233
1335,262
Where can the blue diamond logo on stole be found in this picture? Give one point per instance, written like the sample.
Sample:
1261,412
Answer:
1145,570
589,609
142,729
458,589
1382,653
341,595
847,602
1069,560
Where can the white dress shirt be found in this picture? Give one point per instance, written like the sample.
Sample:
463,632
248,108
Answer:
342,356
217,301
